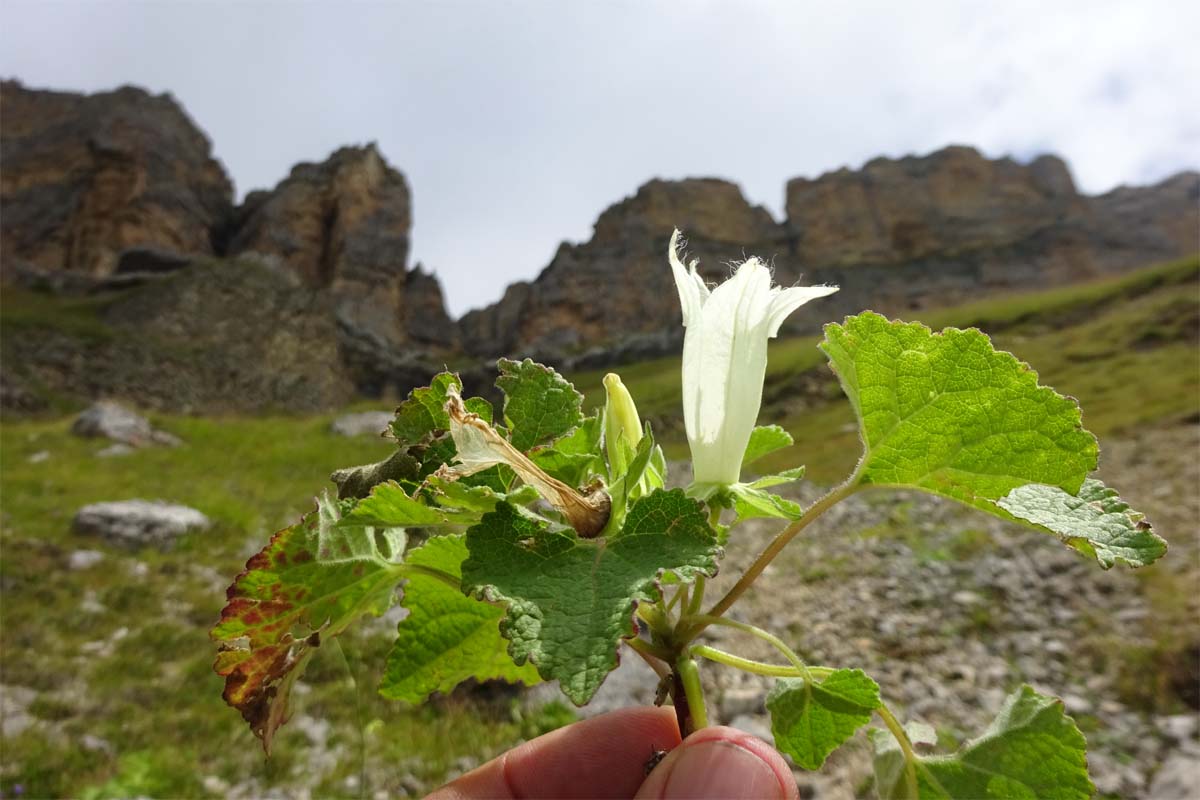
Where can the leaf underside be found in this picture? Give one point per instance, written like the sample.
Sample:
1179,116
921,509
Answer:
1096,522
1031,750
447,637
308,584
810,722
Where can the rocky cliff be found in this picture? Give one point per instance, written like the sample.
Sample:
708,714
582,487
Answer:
97,184
117,196
304,291
896,235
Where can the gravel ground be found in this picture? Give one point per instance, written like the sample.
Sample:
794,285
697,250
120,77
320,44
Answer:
950,609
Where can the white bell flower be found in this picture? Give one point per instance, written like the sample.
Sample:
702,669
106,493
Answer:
725,358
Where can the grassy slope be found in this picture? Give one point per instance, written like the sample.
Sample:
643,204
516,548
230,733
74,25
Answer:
1125,347
1094,341
151,693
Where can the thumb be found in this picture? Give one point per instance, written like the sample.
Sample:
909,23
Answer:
721,763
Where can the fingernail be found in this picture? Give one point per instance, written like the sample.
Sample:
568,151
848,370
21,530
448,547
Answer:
721,769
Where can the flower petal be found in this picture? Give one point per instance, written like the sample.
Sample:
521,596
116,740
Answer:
788,300
693,292
725,359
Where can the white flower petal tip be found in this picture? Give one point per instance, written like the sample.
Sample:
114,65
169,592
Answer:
725,357
480,446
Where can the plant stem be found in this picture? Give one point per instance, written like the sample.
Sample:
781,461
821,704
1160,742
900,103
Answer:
697,600
910,757
648,649
690,710
766,636
777,544
757,667
649,654
680,594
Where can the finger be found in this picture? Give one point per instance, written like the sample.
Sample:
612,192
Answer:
601,757
721,763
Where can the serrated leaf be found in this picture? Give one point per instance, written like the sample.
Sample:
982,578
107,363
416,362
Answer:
447,637
810,721
574,458
787,476
1031,750
947,413
571,600
423,413
355,482
766,439
751,502
307,585
388,506
1095,522
459,495
539,404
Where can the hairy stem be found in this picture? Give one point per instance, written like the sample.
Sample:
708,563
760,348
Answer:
757,667
693,607
649,649
690,710
910,757
777,544
766,636
650,654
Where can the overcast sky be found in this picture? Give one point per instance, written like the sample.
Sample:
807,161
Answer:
518,122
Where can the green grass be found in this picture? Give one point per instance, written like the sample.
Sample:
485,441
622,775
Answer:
133,665
1125,347
22,310
120,651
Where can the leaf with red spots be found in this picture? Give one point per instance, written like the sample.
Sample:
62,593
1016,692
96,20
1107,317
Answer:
306,586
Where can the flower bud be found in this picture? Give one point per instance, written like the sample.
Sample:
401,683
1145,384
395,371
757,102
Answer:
622,425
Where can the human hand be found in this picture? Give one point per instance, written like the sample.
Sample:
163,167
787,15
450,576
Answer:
605,757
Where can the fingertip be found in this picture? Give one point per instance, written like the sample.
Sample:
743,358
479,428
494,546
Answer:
721,762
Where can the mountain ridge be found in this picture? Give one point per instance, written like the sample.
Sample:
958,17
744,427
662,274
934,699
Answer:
110,193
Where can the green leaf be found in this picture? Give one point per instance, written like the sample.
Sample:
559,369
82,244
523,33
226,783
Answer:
571,600
480,499
1031,750
306,586
766,439
354,482
388,506
810,721
539,404
787,476
1095,522
947,413
627,487
447,637
423,413
574,459
751,502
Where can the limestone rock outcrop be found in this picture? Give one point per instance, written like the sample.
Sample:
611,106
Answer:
896,236
97,184
343,227
953,200
616,287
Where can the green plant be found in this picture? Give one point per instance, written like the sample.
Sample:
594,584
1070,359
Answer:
535,542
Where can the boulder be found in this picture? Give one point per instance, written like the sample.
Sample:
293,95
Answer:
111,420
362,423
133,524
107,181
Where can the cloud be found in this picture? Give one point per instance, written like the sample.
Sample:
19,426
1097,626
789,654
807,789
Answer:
517,123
